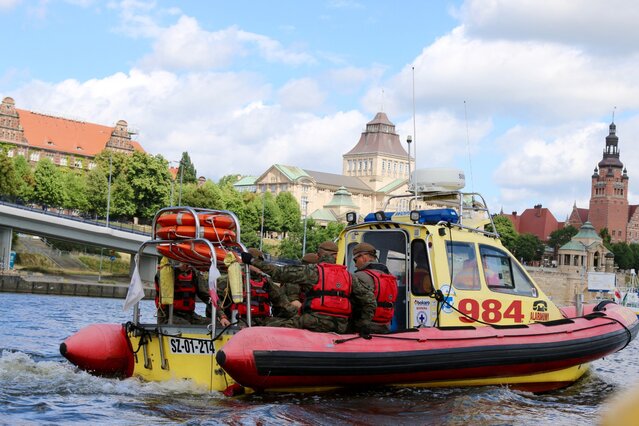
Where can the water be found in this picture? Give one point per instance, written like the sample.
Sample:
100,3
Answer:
39,387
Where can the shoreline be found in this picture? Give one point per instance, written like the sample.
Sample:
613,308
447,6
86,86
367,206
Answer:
56,285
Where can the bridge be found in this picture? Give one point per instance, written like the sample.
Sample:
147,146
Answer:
70,228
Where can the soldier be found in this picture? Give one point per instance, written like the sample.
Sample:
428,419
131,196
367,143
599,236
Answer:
186,287
376,276
293,292
263,297
329,290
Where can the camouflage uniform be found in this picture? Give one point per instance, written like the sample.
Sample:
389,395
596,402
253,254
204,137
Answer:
367,280
277,303
306,276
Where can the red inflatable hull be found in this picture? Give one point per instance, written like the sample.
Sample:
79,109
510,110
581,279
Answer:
278,358
101,349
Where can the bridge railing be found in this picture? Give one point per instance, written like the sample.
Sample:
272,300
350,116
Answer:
127,227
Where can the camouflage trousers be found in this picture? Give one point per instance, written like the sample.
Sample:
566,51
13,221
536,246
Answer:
377,328
312,321
182,318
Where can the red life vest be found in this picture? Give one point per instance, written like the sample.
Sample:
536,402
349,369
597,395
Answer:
184,292
331,294
385,295
260,306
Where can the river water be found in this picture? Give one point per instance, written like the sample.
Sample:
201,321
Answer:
39,387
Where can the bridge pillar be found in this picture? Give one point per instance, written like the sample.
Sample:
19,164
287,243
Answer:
5,246
148,267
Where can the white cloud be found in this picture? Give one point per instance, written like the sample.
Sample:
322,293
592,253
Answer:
9,4
596,24
301,95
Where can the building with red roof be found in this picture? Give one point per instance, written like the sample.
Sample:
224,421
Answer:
65,142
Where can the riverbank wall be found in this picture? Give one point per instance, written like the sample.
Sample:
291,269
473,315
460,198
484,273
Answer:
57,286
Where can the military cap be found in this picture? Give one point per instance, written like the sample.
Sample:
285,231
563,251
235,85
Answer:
256,253
364,248
310,258
328,246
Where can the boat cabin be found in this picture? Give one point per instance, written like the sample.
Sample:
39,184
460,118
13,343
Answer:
451,269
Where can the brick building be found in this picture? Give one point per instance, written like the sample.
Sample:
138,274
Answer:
65,142
609,207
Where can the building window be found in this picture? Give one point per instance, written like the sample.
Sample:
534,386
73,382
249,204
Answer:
283,187
383,166
273,188
35,156
91,165
78,164
10,153
63,161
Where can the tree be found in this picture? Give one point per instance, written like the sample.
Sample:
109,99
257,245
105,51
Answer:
9,182
229,180
290,211
26,180
272,213
506,231
186,171
96,191
75,190
48,190
624,256
150,180
122,198
561,236
208,196
528,247
607,239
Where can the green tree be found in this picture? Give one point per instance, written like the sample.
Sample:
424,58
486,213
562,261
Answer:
607,239
150,180
96,191
9,182
506,231
207,196
26,180
561,236
75,190
528,247
48,190
186,171
122,203
272,213
624,256
229,180
290,212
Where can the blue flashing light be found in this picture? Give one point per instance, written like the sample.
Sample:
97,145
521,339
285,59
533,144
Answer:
371,216
426,217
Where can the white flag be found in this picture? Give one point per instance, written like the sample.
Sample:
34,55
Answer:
136,291
214,274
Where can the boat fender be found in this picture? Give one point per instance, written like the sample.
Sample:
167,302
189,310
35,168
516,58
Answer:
235,277
234,390
601,306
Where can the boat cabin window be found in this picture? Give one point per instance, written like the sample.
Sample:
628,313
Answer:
503,275
421,282
462,264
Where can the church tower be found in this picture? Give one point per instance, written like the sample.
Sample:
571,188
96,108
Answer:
379,158
609,191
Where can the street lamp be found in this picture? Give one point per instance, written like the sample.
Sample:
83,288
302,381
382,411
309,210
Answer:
305,217
262,225
109,190
173,182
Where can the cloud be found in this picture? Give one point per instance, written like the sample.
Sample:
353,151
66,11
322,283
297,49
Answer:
301,95
9,4
221,119
595,24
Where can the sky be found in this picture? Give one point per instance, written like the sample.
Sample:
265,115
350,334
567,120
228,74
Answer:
517,93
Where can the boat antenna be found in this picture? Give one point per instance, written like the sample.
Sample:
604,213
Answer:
414,133
470,161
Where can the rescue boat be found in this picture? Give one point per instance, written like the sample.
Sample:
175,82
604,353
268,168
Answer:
467,314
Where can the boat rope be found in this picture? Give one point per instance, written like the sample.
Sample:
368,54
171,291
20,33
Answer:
386,336
439,296
145,335
440,305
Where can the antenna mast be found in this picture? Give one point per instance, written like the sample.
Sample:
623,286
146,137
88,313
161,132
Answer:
470,161
414,135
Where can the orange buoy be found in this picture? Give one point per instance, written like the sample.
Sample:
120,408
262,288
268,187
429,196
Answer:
193,252
211,233
186,218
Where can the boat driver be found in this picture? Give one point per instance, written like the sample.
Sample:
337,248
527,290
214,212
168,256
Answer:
185,289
